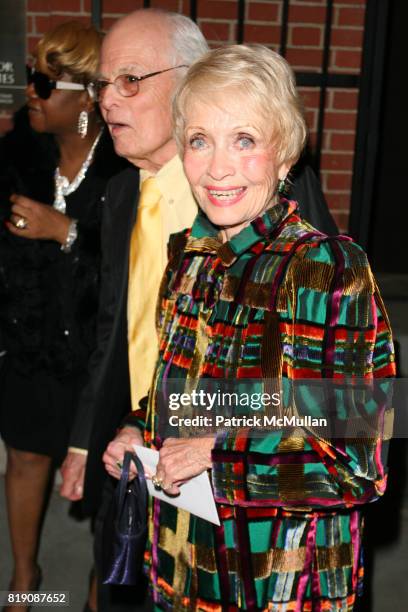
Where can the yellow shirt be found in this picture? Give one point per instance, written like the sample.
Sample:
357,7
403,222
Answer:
177,205
178,210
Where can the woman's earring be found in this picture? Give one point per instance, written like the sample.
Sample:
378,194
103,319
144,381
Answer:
83,123
282,186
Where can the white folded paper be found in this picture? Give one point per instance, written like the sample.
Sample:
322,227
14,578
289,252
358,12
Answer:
196,495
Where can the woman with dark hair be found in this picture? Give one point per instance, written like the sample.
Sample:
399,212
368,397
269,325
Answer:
55,165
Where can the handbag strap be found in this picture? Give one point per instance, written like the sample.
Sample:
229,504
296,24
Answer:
139,483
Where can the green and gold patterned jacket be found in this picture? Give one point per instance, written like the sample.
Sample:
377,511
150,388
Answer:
278,300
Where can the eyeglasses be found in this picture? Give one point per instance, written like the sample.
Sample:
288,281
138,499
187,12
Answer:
127,84
43,85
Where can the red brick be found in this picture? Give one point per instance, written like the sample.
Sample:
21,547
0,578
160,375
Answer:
347,59
30,25
338,201
336,161
215,31
347,37
307,14
309,97
169,5
326,141
32,43
342,142
336,181
308,58
40,6
342,220
117,6
57,19
350,16
214,9
185,7
345,100
307,36
337,120
311,119
263,11
42,23
70,6
265,34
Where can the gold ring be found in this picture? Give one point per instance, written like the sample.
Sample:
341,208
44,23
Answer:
119,464
157,482
21,223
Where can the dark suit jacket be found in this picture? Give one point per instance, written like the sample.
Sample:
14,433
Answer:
106,398
306,190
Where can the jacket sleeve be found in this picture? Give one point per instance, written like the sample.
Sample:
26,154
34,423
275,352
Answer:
85,415
332,325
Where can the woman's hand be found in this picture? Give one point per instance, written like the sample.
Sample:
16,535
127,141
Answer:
41,221
181,459
115,451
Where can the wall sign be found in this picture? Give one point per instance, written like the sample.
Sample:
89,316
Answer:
12,54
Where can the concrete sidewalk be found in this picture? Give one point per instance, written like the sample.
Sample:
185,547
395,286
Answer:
65,554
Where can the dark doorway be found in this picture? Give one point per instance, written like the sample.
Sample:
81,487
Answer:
388,240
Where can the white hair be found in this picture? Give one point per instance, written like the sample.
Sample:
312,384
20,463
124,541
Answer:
187,43
187,39
263,79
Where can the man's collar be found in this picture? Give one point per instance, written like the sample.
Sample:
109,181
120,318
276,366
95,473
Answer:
178,205
170,171
171,180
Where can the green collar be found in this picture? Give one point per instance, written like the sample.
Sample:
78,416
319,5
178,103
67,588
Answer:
204,235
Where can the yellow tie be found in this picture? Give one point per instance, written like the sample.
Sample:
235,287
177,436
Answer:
145,272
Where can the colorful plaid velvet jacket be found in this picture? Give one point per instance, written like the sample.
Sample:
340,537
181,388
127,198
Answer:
278,299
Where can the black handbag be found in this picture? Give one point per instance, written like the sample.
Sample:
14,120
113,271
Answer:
125,527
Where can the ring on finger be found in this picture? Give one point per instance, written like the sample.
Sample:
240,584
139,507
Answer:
21,223
157,482
119,464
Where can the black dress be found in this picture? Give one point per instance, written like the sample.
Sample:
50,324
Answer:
48,298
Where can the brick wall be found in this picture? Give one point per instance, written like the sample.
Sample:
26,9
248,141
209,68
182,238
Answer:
218,21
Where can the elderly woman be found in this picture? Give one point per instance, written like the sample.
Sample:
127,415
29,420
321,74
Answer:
253,292
55,165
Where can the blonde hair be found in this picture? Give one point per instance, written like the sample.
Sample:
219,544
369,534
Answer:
70,48
254,72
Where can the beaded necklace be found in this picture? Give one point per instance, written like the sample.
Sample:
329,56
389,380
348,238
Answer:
62,185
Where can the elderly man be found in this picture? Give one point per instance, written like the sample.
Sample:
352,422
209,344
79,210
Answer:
143,57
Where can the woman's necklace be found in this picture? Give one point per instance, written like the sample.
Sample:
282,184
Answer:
62,185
